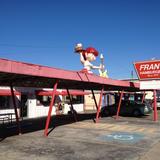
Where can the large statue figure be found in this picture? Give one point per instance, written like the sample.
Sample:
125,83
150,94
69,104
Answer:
87,56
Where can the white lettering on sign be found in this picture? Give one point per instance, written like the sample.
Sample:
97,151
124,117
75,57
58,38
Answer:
144,67
150,72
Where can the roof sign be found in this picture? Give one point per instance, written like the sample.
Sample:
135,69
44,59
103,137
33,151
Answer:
148,69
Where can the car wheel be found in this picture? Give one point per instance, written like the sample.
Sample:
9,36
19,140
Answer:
136,113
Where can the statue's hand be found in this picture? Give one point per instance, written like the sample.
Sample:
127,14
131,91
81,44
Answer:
101,67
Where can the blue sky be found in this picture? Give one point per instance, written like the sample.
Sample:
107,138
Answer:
46,31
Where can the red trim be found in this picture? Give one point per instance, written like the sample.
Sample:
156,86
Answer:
7,92
64,93
76,93
46,93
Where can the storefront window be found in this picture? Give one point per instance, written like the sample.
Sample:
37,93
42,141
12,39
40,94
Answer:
75,99
45,100
4,102
158,95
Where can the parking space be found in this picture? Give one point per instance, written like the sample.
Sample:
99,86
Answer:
126,138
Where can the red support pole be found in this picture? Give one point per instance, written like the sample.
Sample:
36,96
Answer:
94,99
72,109
143,98
99,105
15,109
119,105
50,109
155,106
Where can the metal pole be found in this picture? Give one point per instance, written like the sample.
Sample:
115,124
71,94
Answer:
72,109
94,99
15,109
155,106
105,99
50,109
99,105
119,105
143,98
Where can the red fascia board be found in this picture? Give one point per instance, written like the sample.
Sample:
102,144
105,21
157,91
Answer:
111,82
4,92
35,70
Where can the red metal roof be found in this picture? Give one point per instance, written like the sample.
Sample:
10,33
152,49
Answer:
31,75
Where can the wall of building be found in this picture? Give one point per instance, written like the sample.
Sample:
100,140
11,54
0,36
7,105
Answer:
34,109
37,111
89,101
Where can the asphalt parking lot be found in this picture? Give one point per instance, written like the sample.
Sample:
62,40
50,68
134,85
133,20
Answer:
128,138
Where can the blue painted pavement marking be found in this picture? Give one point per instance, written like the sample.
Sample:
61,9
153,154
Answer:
123,137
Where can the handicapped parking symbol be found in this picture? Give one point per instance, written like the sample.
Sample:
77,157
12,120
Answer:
122,137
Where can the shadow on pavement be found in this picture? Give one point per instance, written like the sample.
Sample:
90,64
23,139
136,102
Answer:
32,125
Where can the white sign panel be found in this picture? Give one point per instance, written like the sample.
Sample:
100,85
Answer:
154,84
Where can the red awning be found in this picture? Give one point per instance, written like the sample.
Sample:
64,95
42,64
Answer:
7,92
75,93
64,93
45,93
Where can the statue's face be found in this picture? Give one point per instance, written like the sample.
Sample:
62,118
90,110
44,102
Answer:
90,57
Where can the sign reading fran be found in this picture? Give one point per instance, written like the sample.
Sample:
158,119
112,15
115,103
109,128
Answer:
148,69
149,75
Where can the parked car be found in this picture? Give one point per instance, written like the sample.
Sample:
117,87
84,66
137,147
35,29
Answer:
150,103
130,108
